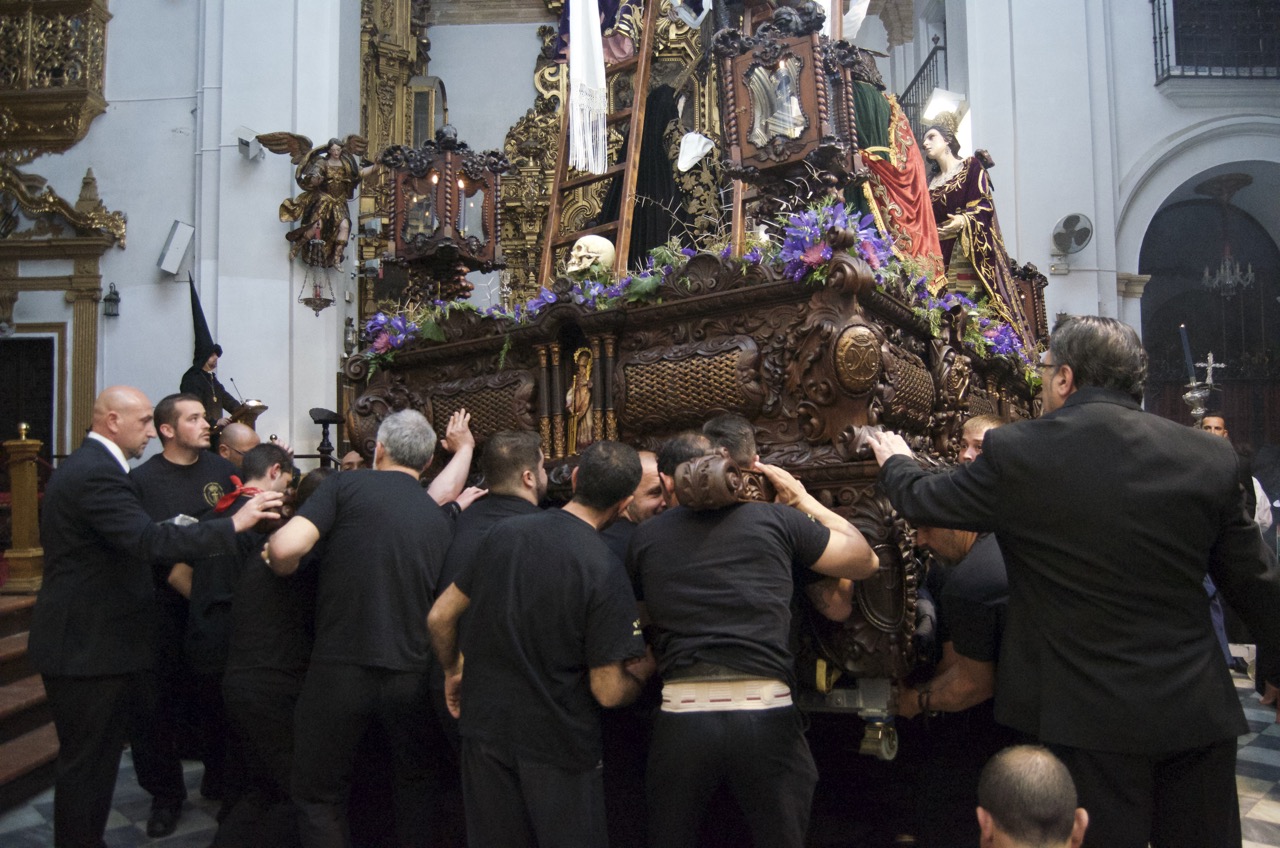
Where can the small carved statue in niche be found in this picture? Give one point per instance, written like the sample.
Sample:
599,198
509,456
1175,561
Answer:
577,404
588,251
328,177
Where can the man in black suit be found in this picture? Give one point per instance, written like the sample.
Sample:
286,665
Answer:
1108,519
91,629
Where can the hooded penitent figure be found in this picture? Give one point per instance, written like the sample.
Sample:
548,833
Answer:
201,379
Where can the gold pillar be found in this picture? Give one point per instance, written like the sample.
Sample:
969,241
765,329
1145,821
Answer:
26,557
84,357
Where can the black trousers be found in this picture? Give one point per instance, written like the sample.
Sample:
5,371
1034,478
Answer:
337,704
514,802
260,720
158,741
1182,800
94,717
761,755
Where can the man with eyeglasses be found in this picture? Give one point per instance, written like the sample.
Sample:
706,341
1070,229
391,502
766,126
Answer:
236,441
1109,518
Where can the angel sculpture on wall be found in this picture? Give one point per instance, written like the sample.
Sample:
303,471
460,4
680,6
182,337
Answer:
328,177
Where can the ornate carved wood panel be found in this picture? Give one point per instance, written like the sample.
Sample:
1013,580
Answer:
811,367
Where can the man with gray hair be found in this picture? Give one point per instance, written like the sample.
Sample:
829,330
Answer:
1026,799
1108,518
384,540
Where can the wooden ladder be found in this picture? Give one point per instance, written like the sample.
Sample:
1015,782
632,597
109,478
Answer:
628,167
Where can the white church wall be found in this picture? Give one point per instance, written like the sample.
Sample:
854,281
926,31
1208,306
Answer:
181,80
140,151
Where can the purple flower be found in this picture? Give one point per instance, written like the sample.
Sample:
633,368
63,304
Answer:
376,324
586,293
724,254
689,251
618,289
545,298
754,256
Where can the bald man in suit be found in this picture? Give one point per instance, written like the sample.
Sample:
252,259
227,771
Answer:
91,629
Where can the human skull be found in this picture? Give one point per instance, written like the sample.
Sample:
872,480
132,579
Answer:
589,250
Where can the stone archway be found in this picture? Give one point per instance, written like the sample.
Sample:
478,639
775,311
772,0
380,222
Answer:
1184,241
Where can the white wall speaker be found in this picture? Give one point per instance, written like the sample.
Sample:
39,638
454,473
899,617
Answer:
175,247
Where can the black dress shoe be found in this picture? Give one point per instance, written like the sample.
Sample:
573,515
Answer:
163,821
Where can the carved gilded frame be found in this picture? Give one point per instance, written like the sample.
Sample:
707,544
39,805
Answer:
93,231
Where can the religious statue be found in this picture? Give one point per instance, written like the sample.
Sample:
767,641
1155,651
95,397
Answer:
588,251
328,177
966,214
577,404
896,192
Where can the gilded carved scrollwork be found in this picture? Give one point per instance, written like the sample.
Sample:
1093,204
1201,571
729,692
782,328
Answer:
52,67
87,216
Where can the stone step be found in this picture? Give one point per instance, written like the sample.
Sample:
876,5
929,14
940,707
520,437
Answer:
27,765
15,613
23,707
13,658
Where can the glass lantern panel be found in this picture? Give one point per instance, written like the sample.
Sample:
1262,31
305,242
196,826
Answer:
775,101
471,215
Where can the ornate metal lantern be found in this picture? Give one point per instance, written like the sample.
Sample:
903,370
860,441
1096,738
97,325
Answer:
777,94
787,126
445,211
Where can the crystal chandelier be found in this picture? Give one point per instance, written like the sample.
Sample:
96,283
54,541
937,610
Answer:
1228,279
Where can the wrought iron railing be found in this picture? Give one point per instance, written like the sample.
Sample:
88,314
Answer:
932,74
1222,39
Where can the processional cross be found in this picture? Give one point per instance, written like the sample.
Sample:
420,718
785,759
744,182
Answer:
1210,366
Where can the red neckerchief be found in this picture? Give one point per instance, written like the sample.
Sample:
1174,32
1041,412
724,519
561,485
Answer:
225,502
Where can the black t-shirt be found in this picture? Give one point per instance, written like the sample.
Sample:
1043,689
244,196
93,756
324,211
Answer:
548,603
213,585
472,525
973,602
167,489
272,625
718,584
384,544
617,536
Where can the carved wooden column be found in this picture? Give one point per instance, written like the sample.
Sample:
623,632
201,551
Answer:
544,405
26,557
557,405
597,392
606,379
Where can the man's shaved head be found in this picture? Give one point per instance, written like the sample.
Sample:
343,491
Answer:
123,415
236,441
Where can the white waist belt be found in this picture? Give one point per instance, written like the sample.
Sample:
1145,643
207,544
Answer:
705,696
